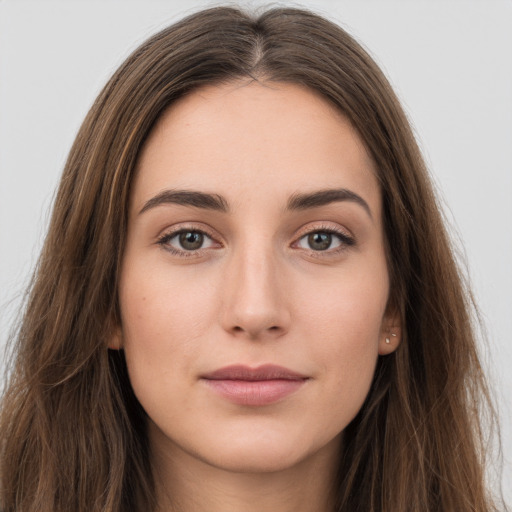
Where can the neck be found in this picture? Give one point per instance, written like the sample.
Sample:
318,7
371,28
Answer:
185,483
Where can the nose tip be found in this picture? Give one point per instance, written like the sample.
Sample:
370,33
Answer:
254,303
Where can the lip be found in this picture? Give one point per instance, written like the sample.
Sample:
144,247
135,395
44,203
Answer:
259,386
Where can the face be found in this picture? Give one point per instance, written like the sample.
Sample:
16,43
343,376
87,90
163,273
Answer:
254,282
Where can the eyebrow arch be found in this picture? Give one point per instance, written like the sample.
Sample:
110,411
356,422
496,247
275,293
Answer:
324,197
187,198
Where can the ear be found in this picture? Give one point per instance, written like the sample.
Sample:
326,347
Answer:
390,333
115,340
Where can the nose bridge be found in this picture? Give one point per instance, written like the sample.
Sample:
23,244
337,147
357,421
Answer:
254,303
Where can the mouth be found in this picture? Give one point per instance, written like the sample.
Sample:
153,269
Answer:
259,386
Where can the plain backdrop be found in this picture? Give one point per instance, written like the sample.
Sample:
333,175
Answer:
450,62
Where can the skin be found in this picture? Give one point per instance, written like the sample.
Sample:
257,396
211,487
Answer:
256,292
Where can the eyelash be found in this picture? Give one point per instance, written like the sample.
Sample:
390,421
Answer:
164,240
346,241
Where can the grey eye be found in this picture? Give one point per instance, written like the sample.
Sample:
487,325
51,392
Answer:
191,240
322,241
319,241
185,242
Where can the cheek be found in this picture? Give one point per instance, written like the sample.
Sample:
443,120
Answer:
344,322
159,305
164,317
348,306
347,357
346,343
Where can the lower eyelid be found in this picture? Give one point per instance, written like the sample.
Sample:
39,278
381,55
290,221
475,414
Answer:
344,239
164,241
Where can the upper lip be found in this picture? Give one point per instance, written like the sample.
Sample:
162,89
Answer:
264,372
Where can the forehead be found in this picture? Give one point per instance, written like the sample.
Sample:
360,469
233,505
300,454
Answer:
244,137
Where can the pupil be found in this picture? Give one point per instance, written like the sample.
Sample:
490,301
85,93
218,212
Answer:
191,240
320,241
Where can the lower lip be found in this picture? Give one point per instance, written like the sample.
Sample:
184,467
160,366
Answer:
261,392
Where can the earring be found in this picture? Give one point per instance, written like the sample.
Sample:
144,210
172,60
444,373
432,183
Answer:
388,341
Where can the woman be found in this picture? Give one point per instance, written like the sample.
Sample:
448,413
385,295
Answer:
247,299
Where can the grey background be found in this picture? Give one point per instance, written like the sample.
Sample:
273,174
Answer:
450,62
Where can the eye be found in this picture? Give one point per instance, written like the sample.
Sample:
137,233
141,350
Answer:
324,240
186,240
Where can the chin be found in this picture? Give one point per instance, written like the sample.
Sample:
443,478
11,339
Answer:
256,460
265,454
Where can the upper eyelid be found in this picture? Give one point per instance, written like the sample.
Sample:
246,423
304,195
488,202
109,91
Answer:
344,239
164,239
172,231
323,226
308,228
345,236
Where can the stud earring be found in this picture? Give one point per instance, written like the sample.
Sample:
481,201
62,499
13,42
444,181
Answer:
388,341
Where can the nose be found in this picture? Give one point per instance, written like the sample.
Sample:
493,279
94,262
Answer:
255,304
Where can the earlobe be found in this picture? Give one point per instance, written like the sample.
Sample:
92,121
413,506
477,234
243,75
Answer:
389,341
115,341
390,335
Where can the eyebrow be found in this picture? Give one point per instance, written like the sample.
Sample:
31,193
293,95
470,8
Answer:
187,198
218,203
325,197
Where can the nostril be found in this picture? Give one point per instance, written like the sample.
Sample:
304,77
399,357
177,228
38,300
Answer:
239,329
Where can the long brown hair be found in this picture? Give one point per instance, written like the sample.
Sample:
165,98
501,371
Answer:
72,433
